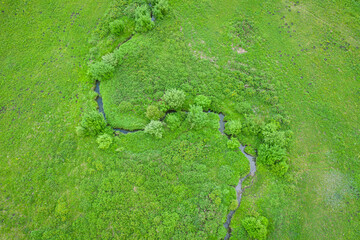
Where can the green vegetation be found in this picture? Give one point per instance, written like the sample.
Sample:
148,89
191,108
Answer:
256,227
260,63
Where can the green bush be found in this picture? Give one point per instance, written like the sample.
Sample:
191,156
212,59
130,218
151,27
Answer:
153,113
256,227
155,128
233,127
92,124
161,9
117,27
104,141
196,117
101,71
110,59
203,101
143,22
174,98
173,121
273,157
233,143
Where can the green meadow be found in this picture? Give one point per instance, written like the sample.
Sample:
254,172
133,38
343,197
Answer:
283,73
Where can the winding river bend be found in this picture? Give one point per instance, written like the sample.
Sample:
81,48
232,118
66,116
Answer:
239,189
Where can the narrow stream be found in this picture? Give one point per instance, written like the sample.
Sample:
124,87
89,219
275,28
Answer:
238,188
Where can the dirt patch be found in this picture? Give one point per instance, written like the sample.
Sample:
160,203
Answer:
237,49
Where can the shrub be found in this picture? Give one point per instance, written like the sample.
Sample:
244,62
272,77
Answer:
101,71
110,59
173,121
174,98
233,127
273,157
153,113
155,128
256,227
104,141
161,9
233,143
203,101
92,124
143,22
196,117
117,27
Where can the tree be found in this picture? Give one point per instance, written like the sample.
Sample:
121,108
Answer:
155,128
174,98
196,117
256,227
153,113
92,124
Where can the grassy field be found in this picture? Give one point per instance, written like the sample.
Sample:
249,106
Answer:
259,62
43,66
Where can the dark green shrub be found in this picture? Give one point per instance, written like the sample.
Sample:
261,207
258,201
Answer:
155,128
153,113
173,121
92,124
196,117
233,143
161,9
203,101
143,22
117,27
174,98
256,227
101,71
233,127
104,141
274,157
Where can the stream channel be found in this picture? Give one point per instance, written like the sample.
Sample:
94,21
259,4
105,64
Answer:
239,189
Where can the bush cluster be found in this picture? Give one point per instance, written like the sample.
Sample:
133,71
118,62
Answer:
256,228
92,124
143,19
174,98
155,128
196,117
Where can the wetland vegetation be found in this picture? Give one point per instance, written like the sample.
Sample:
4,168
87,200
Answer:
128,119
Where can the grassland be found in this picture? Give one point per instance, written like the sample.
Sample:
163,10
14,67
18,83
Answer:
286,59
